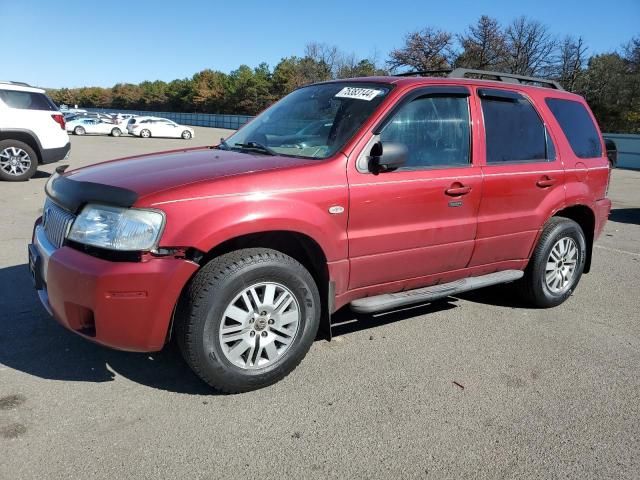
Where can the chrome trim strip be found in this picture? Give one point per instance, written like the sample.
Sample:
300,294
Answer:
45,249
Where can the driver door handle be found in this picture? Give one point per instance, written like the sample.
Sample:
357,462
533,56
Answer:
546,182
457,189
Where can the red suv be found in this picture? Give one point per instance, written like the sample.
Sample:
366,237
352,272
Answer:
375,192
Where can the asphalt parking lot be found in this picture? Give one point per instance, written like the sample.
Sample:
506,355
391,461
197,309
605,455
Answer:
472,387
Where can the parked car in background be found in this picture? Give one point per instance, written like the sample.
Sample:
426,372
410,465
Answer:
123,120
32,131
147,127
94,126
422,188
78,115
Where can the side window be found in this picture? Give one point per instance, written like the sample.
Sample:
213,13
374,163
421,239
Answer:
435,130
514,131
578,127
26,100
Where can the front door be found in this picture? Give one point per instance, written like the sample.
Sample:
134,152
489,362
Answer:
420,219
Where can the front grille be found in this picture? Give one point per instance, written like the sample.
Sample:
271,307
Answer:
56,222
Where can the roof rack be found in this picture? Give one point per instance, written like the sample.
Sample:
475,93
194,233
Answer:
488,75
423,72
22,84
504,77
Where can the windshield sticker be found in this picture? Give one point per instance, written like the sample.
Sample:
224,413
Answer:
358,93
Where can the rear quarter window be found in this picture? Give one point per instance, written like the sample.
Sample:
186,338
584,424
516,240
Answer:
27,100
577,126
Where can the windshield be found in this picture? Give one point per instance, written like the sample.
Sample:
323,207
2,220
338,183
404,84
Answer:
311,122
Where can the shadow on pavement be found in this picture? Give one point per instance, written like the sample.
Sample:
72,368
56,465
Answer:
41,174
345,321
32,342
625,215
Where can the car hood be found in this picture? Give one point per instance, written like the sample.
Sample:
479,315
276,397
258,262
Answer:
154,173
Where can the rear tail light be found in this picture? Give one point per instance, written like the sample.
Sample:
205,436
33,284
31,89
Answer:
59,119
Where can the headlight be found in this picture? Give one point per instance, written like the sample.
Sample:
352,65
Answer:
117,228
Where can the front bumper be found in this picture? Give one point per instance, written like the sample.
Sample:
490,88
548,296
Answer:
123,305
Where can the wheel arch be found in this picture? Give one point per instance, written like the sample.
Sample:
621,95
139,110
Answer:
24,136
297,245
585,217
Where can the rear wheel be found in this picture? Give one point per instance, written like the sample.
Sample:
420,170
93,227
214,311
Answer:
79,131
145,133
116,132
247,319
556,265
18,161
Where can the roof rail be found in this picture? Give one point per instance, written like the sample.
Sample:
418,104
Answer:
423,72
22,84
504,77
486,75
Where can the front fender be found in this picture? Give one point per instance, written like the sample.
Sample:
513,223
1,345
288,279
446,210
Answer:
206,223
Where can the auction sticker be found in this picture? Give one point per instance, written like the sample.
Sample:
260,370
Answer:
358,93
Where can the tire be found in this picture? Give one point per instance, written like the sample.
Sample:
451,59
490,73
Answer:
258,359
116,132
549,280
18,161
186,135
79,131
145,133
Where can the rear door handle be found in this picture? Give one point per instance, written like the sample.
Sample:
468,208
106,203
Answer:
546,182
457,189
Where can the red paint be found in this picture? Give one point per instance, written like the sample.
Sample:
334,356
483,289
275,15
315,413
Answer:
398,230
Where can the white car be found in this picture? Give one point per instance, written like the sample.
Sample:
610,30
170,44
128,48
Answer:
32,131
146,127
97,126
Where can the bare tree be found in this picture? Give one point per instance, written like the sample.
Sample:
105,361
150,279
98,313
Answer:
427,49
631,51
530,47
323,54
571,61
484,46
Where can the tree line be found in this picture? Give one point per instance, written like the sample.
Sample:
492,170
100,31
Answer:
609,81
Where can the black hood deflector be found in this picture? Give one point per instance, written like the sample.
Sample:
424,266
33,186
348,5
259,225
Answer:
73,195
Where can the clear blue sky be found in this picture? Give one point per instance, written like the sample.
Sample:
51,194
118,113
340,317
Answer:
71,43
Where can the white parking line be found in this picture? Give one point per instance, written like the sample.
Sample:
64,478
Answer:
618,250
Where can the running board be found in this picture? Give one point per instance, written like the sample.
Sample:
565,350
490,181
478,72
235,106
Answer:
390,301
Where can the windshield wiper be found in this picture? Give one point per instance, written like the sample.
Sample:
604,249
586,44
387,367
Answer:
223,145
255,146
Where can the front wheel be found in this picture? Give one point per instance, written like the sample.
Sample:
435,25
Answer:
116,132
186,135
79,131
247,319
556,265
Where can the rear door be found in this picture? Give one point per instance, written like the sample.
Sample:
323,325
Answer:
523,177
420,219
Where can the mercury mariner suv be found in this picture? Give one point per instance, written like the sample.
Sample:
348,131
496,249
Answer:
374,192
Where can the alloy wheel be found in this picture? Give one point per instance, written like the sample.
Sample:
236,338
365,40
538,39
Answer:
259,325
561,265
14,161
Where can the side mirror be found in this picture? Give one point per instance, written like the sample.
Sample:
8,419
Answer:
612,152
385,157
